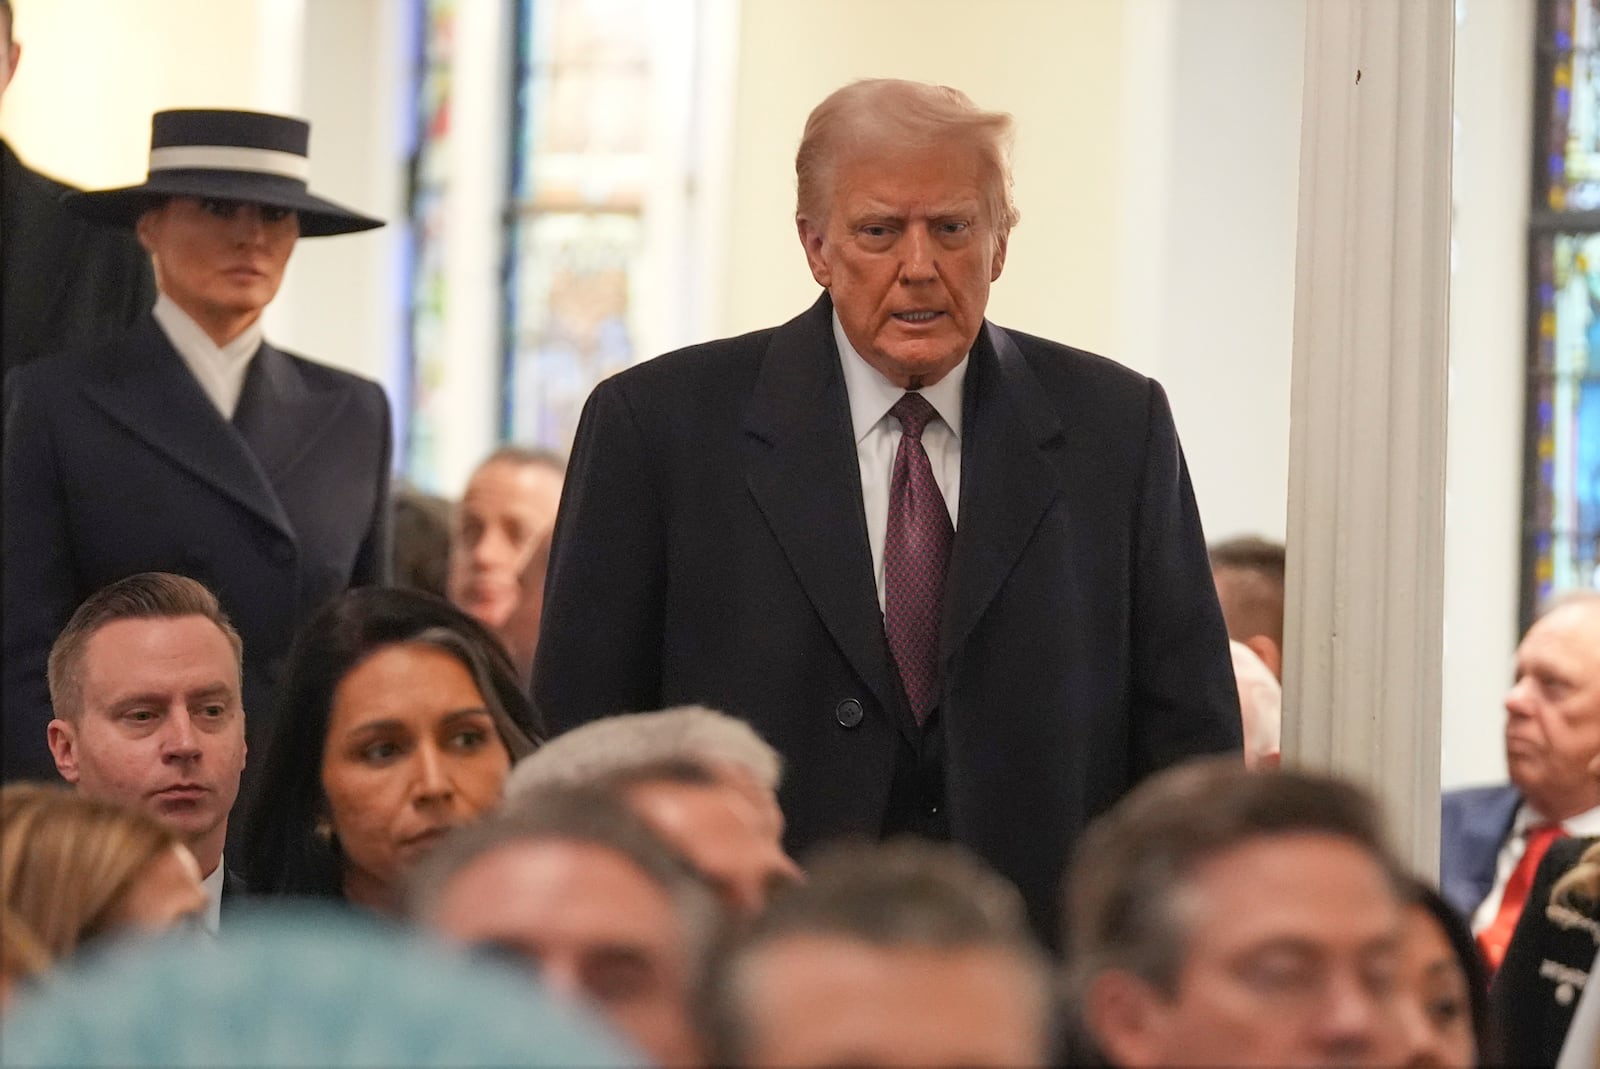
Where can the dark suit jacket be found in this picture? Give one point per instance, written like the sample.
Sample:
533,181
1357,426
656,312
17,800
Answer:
712,547
1473,825
1546,966
116,462
65,283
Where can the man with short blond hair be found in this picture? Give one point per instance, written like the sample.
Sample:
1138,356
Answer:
953,573
145,683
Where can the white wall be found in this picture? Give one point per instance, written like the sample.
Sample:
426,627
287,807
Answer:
1488,301
1210,182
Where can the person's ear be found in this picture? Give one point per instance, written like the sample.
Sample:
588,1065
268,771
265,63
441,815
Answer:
1128,1019
1268,651
812,239
62,735
998,263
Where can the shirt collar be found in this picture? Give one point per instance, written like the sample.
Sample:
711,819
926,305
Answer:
212,921
1585,824
193,343
871,395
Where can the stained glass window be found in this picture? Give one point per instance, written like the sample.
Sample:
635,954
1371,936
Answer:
1562,472
430,171
580,170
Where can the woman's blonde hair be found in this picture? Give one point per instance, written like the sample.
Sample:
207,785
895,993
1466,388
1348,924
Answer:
67,861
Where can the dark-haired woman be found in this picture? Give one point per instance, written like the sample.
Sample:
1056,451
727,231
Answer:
398,719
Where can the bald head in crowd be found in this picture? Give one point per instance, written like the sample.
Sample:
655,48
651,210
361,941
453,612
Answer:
905,954
577,887
1249,573
1221,917
703,780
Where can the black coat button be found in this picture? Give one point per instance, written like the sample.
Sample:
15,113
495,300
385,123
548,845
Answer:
849,713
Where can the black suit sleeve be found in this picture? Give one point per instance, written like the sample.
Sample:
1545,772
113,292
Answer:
600,640
38,579
373,558
1185,698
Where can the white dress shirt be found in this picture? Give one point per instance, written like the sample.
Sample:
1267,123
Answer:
1516,844
878,438
211,920
219,369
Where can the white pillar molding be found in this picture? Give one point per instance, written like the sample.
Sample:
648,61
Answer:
1367,432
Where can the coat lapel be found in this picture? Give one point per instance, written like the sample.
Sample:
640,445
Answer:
802,469
1007,479
279,417
144,386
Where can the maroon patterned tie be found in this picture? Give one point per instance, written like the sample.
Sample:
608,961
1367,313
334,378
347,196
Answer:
916,555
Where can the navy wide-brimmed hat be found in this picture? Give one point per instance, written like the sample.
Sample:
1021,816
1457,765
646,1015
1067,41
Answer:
247,156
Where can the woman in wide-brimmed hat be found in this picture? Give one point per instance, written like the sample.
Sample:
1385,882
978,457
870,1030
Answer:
190,444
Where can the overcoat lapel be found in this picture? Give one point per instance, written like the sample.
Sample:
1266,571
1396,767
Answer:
144,386
279,417
1008,480
802,469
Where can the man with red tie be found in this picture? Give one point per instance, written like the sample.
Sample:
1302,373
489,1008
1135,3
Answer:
1492,838
954,573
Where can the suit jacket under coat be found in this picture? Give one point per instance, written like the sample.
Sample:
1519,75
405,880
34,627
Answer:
65,283
117,462
1473,825
712,547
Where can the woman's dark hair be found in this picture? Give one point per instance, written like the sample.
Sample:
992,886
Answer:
286,853
1459,935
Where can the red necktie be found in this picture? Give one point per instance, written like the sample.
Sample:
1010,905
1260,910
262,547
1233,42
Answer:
916,555
1497,936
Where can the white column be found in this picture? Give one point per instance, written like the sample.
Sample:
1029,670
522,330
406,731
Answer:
1367,431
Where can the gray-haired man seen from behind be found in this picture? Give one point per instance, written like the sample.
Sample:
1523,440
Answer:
701,779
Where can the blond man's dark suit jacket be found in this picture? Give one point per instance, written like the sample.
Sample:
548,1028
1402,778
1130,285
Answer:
712,547
116,462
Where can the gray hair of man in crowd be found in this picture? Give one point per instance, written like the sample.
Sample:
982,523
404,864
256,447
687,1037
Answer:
604,748
579,815
907,893
1126,890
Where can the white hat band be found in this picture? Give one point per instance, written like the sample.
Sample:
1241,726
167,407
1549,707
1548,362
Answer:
230,158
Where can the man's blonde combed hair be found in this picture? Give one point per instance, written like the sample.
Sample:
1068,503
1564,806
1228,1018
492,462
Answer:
878,115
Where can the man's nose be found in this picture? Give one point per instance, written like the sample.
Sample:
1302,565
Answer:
180,741
1352,1019
918,254
1519,699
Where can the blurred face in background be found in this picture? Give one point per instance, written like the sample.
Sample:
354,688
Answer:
1291,956
723,834
412,751
826,1000
508,507
1435,1006
592,924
